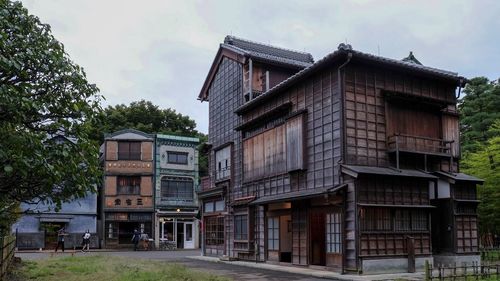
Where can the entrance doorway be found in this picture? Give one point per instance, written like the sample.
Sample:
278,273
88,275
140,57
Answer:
318,234
51,229
180,235
188,235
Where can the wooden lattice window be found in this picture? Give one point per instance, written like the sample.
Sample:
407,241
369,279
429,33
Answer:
128,185
214,231
273,233
376,219
129,150
241,227
466,227
334,233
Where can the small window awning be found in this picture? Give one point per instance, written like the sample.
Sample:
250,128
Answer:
355,171
454,177
55,219
242,201
296,195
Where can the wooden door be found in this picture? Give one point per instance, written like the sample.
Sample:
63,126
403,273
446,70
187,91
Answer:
318,234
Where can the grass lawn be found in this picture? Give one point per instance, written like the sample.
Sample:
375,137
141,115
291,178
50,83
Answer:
96,268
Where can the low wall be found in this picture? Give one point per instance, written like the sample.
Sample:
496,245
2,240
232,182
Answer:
392,265
29,241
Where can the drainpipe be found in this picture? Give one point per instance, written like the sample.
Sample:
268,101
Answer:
344,139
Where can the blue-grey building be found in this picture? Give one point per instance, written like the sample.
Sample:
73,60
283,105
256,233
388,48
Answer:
176,183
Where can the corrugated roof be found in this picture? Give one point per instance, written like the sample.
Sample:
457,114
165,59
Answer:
269,52
345,50
385,171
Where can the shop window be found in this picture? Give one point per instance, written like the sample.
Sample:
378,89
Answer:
214,231
334,233
128,150
273,233
241,227
128,185
179,158
177,188
167,230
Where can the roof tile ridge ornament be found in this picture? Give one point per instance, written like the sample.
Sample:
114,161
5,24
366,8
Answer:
344,47
230,40
412,59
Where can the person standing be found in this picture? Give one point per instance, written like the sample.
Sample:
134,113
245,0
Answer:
135,239
60,238
86,241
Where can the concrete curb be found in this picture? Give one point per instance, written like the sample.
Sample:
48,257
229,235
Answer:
312,272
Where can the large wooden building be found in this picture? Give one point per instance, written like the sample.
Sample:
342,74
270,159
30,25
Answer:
350,163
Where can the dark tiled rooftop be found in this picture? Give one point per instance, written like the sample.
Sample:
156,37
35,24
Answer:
268,52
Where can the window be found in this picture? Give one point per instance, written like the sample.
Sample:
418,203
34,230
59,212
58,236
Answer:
220,205
273,233
167,231
128,185
376,219
177,187
334,233
241,227
223,160
128,150
209,207
214,206
177,157
214,231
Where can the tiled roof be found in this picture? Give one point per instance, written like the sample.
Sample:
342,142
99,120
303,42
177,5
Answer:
267,52
345,50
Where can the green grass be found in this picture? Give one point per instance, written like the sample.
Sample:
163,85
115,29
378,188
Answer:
96,268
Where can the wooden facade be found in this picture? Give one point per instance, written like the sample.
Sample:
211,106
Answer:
348,150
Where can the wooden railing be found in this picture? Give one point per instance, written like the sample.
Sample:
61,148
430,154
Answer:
206,183
418,144
475,271
7,246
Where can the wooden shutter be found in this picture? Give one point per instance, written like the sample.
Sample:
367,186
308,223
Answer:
295,143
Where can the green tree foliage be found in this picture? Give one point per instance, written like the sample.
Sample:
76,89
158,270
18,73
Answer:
485,164
145,116
479,108
42,94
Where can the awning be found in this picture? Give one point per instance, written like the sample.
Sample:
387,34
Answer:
242,201
355,171
55,219
297,195
459,177
216,191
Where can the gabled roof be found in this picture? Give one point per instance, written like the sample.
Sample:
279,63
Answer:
129,134
343,52
240,49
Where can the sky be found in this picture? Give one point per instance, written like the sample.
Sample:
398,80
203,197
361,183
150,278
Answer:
161,50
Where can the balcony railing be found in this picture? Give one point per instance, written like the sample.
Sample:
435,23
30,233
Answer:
417,144
223,173
206,183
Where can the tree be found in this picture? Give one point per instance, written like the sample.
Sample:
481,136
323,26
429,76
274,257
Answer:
145,116
479,108
43,94
485,164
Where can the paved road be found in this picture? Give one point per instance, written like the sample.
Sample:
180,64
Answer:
233,271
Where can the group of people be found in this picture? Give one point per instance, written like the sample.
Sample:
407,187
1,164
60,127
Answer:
61,234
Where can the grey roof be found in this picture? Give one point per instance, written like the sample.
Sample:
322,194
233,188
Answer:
128,133
345,51
459,177
297,195
385,171
268,53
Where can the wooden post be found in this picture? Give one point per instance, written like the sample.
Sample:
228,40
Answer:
427,268
410,247
397,152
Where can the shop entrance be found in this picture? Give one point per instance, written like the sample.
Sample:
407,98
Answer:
51,229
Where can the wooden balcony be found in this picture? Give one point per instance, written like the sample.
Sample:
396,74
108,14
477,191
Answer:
419,145
223,174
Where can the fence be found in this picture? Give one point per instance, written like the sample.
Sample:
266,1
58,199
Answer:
7,246
464,272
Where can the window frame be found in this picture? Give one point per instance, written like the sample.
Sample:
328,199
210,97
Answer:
241,231
175,196
273,242
132,189
176,161
126,153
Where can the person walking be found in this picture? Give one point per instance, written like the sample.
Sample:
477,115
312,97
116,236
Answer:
86,241
135,239
60,238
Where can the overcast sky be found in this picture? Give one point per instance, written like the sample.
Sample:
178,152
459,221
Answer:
161,50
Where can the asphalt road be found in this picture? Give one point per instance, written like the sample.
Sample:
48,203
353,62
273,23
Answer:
232,271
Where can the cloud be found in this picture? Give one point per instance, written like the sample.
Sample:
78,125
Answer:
161,50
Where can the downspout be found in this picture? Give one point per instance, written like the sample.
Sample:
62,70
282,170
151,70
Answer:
340,86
